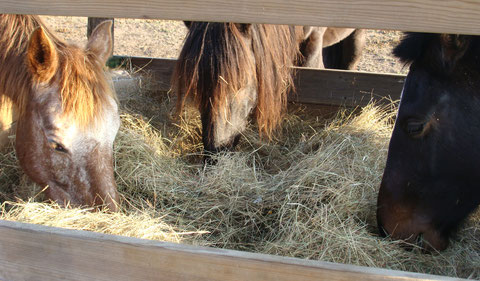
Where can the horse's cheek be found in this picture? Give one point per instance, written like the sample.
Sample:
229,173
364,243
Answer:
30,149
61,166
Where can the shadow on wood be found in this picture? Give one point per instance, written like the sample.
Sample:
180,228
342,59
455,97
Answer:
314,86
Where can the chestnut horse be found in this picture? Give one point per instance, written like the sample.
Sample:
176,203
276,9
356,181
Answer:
233,69
430,182
57,99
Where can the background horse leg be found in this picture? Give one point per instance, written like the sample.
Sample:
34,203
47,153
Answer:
346,53
311,47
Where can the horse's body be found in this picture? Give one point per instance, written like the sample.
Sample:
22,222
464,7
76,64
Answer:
430,183
233,69
63,108
329,47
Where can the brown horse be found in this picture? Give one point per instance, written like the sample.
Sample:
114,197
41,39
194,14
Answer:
431,179
233,69
65,113
329,47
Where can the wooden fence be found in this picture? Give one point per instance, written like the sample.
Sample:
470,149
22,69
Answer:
313,86
449,16
33,252
29,252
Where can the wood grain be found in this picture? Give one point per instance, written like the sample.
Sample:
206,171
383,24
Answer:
446,16
342,87
34,252
313,86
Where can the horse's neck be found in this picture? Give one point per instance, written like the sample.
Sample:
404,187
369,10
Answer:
15,31
15,80
8,117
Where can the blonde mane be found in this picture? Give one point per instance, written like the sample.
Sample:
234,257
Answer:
80,75
215,62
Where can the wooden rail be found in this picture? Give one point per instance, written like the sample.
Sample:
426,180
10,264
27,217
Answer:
34,252
446,16
314,86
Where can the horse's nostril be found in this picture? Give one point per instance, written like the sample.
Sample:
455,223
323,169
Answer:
423,244
381,231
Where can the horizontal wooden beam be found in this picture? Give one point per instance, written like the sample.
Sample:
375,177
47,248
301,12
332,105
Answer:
342,87
314,86
446,16
34,252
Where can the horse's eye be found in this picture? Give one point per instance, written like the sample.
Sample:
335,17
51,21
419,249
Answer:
415,128
58,147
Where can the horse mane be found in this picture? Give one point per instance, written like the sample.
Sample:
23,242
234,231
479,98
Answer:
427,49
216,61
80,75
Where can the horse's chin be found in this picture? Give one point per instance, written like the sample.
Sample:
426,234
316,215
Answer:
429,241
434,241
413,229
57,192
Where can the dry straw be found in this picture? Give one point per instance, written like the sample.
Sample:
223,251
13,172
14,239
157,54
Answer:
310,194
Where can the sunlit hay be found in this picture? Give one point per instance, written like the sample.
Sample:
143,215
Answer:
310,193
156,109
188,195
136,224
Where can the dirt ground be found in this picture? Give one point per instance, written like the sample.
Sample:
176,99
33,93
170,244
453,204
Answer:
163,39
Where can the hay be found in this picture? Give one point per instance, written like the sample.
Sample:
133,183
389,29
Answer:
310,194
137,224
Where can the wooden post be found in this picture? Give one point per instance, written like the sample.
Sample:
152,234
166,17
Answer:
93,22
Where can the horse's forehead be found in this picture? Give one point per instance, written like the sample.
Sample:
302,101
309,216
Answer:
64,126
102,128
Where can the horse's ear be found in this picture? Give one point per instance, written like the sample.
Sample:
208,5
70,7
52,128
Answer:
187,23
411,46
454,47
101,42
42,56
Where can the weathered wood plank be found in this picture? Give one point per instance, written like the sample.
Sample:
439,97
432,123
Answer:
160,70
448,16
34,252
350,88
315,86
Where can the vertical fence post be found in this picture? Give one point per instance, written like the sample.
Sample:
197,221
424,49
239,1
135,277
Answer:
93,22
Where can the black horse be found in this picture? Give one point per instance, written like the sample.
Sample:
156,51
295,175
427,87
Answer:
431,180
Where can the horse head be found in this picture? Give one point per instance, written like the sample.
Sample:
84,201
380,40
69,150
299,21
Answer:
69,120
430,183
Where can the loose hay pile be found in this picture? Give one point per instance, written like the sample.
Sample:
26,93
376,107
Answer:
309,194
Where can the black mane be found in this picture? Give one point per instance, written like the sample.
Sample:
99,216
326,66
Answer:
412,46
442,52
